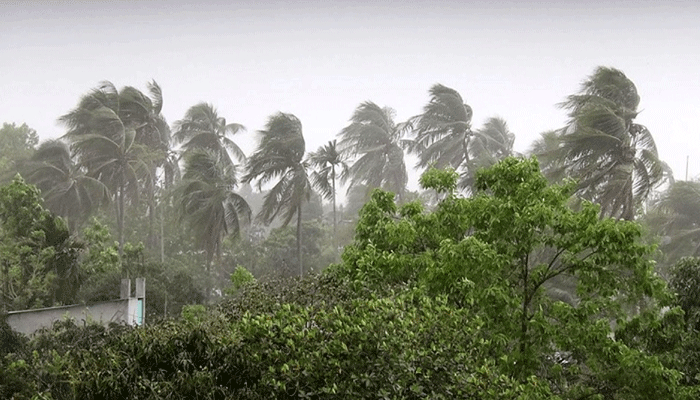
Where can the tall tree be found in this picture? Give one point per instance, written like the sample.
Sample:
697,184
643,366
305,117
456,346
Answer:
203,128
103,137
613,158
205,198
329,162
280,155
373,140
443,136
66,190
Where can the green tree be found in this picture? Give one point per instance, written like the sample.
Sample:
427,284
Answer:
496,252
17,143
103,138
373,142
39,257
203,128
613,158
280,155
66,190
206,200
330,164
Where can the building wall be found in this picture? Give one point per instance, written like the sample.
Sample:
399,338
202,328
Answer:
123,311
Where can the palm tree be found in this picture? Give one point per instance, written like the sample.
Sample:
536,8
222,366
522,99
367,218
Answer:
103,138
374,140
66,190
443,136
203,128
280,154
547,149
442,133
206,200
613,158
489,145
675,216
328,159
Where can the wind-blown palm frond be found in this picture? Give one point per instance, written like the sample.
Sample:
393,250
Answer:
489,144
373,139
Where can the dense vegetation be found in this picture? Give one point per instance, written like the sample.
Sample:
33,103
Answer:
503,277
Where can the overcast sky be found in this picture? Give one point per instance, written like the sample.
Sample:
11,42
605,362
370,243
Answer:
320,59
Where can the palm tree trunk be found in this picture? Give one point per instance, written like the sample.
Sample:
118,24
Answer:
335,221
301,266
120,217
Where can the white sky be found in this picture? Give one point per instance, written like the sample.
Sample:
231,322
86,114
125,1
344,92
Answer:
320,59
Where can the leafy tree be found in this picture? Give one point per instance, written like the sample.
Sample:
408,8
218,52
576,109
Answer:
17,143
280,154
203,128
206,200
613,158
103,134
39,257
495,253
330,164
373,141
66,190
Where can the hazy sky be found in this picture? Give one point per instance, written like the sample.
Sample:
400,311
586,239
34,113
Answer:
320,59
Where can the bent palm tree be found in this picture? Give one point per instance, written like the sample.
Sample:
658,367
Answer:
613,158
490,144
443,136
442,133
103,138
374,140
205,198
675,217
280,154
203,128
328,159
66,190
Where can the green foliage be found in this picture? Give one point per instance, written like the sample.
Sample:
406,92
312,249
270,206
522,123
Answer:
17,144
504,252
239,278
39,264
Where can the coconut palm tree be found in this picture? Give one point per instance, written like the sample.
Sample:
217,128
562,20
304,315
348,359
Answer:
280,155
330,162
442,133
490,144
203,128
373,140
206,200
613,158
103,138
66,190
442,136
675,216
